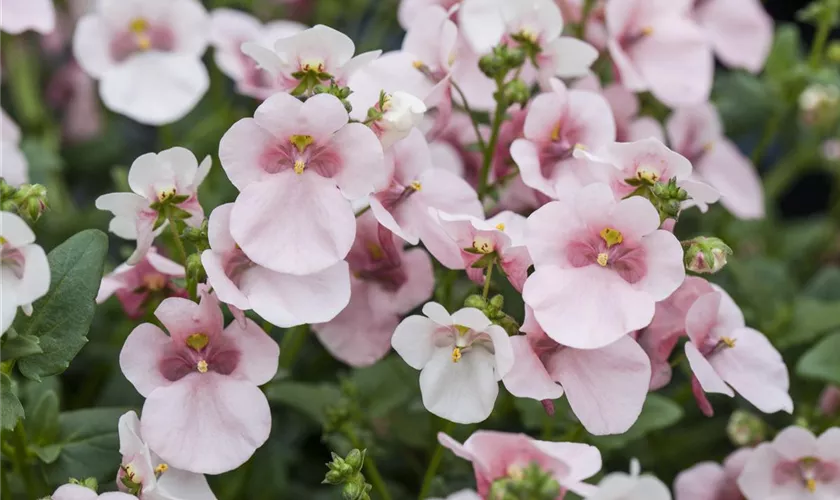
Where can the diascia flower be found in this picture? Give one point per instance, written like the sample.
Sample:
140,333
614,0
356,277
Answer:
146,55
283,300
171,176
461,356
24,269
741,33
229,30
135,285
144,474
79,492
203,412
606,387
297,165
299,62
496,455
14,168
599,275
794,466
724,355
633,486
17,16
711,481
386,282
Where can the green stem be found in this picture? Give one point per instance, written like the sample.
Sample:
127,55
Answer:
5,490
21,459
487,279
179,245
547,427
491,146
434,463
785,171
588,5
818,47
770,130
371,471
469,112
290,346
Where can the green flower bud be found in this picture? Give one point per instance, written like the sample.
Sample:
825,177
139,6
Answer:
356,490
88,482
476,301
355,459
745,429
498,302
517,92
706,254
491,65
30,200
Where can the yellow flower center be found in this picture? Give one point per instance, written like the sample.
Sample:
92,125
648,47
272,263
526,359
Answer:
528,34
165,194
500,226
197,341
555,132
313,65
301,141
728,341
140,27
515,472
483,244
154,282
647,30
300,165
462,330
201,366
611,236
602,259
811,484
456,354
3,240
418,64
375,251
161,468
415,185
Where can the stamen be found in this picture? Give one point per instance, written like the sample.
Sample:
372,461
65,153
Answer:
144,42
129,471
161,468
154,282
165,194
602,259
300,165
611,236
515,472
555,132
500,226
201,366
728,341
415,185
301,141
647,31
529,35
456,354
811,484
197,341
138,25
462,330
483,244
418,64
708,146
3,240
645,174
375,251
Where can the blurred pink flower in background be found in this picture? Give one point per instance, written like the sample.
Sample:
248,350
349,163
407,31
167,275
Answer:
14,168
17,16
741,32
711,481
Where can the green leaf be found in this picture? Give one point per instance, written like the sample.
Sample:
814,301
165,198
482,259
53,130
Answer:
42,424
821,361
658,413
61,318
743,100
385,386
310,399
786,51
764,287
89,445
811,318
20,346
825,285
10,408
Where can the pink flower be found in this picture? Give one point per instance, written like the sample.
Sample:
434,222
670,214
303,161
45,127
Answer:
600,273
150,478
502,235
461,357
305,57
741,33
655,46
496,455
14,168
697,134
146,55
410,9
794,466
660,337
203,412
710,481
24,266
606,387
284,300
633,486
154,178
725,355
830,400
79,492
405,206
462,495
297,165
74,91
17,16
651,160
558,122
629,126
135,285
386,282
229,30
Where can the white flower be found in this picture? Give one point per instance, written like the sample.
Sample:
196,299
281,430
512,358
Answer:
402,112
17,16
146,55
621,486
461,357
24,269
13,165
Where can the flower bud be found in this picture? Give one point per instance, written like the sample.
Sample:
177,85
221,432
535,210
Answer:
517,92
355,459
356,490
819,103
833,52
491,65
89,482
401,113
30,200
706,255
830,401
476,301
745,429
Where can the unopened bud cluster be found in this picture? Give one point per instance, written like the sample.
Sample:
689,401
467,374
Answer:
348,473
745,429
529,483
493,309
28,200
706,254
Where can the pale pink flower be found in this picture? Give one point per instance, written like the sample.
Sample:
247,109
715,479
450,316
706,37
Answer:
596,29
724,355
741,33
504,235
318,50
386,282
660,337
486,23
453,145
559,122
711,481
599,273
651,160
461,356
203,412
831,149
24,269
410,9
462,495
74,92
629,126
229,30
633,486
655,46
14,168
830,400
794,466
79,492
146,55
297,165
496,455
155,478
153,178
406,206
135,285
284,300
697,133
606,387
17,16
